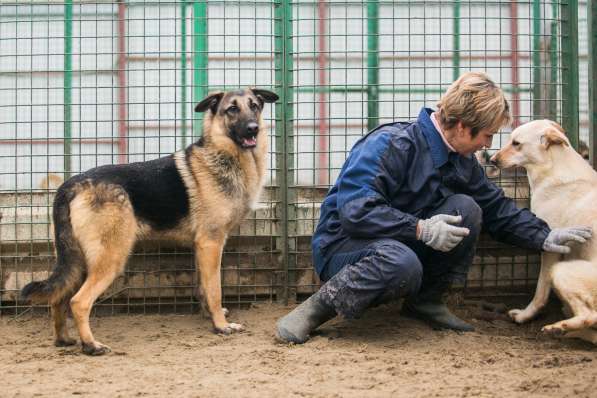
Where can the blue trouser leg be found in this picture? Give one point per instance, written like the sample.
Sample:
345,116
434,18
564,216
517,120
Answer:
440,269
358,273
361,272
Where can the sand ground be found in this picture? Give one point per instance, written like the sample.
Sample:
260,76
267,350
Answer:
380,355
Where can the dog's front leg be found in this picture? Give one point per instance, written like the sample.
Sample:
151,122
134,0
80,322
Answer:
542,291
208,249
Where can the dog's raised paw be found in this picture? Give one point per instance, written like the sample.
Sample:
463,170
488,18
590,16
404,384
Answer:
95,349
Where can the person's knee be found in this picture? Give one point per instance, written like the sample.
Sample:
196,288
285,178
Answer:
472,215
400,268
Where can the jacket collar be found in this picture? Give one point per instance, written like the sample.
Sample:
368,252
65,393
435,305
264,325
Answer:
437,147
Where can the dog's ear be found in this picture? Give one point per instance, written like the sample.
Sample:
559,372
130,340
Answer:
557,126
210,102
553,136
264,95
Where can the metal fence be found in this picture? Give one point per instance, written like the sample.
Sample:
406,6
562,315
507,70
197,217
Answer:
89,83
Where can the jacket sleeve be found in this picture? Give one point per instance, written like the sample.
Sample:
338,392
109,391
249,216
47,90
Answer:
502,219
373,171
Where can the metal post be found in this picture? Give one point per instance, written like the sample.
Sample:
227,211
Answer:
68,74
122,127
592,44
514,63
552,84
200,60
456,42
570,70
323,123
372,64
536,59
183,67
284,131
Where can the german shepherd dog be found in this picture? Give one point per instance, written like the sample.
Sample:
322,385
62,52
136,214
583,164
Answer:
196,195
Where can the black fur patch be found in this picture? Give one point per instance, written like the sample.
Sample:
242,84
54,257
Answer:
155,189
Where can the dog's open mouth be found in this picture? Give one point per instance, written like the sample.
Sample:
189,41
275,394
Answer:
249,142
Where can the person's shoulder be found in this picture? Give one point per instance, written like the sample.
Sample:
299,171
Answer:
400,134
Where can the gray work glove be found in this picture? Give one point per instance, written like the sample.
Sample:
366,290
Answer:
440,233
559,240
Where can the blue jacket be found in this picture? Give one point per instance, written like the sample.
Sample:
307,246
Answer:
397,173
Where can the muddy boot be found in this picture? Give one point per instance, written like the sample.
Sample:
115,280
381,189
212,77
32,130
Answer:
431,307
296,326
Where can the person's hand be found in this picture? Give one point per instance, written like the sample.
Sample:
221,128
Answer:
559,240
441,233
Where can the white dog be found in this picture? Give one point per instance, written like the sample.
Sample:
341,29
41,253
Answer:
563,193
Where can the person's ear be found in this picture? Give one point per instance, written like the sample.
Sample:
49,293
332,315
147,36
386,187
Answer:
460,128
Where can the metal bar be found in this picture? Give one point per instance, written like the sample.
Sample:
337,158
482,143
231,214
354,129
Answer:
323,127
122,125
200,61
284,116
456,41
183,67
412,89
351,56
68,66
552,90
569,12
592,78
372,64
514,62
536,59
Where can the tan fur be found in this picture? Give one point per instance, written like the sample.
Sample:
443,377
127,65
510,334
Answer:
564,193
105,226
554,136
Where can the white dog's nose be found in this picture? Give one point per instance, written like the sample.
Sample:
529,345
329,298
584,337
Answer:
493,160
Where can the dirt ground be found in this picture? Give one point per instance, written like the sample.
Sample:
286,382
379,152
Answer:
380,355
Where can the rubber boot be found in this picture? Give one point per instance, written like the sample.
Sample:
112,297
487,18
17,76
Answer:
432,308
296,326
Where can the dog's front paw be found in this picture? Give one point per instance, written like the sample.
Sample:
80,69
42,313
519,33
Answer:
95,349
229,328
518,316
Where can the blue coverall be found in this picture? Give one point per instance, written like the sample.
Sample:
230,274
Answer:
365,244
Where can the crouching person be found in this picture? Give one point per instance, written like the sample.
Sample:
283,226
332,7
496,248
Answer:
404,215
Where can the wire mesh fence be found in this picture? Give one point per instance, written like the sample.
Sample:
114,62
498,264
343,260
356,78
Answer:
91,83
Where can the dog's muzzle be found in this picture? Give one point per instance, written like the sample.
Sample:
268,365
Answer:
250,140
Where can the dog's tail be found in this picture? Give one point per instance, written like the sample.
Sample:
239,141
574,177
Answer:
70,269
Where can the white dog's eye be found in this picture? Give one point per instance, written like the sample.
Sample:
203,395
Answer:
515,143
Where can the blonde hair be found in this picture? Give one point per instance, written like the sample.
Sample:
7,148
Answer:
476,101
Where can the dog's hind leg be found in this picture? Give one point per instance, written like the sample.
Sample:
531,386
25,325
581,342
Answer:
583,318
208,249
572,281
59,315
589,335
105,226
541,293
97,282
